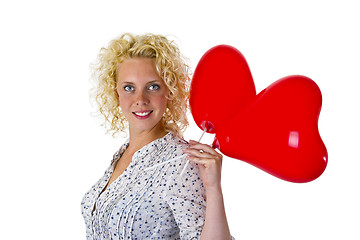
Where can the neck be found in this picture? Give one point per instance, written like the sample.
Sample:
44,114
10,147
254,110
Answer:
138,139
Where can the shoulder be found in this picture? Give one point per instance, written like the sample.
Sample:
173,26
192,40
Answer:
171,146
177,161
119,152
177,142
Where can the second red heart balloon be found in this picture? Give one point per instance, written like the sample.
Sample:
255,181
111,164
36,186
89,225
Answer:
278,131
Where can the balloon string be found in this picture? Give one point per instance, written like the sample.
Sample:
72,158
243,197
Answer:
187,162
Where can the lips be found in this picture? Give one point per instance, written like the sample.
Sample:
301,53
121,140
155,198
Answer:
142,114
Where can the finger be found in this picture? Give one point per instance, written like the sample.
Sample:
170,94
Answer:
204,147
206,162
197,153
195,143
192,142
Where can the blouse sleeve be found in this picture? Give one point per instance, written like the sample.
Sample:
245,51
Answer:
186,197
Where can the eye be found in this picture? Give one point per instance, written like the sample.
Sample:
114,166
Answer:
154,87
128,88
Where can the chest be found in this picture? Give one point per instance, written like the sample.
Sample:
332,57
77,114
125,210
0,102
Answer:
119,168
135,206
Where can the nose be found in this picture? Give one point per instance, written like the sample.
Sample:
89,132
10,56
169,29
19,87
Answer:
142,98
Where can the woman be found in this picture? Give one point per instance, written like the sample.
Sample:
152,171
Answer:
142,86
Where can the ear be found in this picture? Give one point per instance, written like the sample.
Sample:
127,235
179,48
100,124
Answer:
170,96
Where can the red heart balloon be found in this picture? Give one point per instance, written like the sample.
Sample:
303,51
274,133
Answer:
222,84
278,131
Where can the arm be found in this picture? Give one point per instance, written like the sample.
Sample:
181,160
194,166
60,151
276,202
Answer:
210,161
185,196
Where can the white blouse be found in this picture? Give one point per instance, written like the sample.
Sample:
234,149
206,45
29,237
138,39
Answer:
149,200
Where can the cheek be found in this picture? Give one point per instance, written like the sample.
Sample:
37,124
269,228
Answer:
123,102
161,102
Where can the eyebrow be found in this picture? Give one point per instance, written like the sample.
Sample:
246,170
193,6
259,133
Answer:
153,81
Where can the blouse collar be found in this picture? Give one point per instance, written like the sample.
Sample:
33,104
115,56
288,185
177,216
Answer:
145,150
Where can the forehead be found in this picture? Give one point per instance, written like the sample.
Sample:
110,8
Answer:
137,68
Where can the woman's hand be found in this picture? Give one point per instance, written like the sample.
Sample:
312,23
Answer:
209,161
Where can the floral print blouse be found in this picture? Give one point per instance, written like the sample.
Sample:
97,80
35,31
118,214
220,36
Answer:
150,199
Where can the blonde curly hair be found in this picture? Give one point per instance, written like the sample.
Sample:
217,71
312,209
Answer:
170,65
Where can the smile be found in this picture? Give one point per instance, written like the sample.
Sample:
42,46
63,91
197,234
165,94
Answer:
142,114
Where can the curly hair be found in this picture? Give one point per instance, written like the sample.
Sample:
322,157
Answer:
170,65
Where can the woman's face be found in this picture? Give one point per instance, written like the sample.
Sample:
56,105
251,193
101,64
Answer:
142,94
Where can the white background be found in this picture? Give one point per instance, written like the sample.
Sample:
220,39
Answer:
52,150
